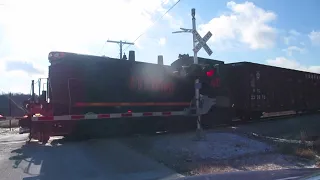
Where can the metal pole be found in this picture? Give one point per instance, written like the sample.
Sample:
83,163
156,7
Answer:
39,81
120,49
195,59
48,89
10,112
32,91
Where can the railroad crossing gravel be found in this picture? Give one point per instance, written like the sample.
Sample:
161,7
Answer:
221,151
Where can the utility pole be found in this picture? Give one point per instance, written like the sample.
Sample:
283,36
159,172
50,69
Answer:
121,43
198,43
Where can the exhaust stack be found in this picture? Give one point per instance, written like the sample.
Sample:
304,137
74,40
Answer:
132,56
160,59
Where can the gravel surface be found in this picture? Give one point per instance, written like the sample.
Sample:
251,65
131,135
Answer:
219,152
215,146
246,163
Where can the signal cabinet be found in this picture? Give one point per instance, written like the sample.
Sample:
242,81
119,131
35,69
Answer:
262,88
218,81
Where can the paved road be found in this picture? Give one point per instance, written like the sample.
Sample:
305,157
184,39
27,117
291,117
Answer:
94,160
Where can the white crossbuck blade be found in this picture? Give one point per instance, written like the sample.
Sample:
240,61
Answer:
202,42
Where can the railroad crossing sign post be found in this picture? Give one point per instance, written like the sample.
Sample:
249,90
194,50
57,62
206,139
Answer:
196,47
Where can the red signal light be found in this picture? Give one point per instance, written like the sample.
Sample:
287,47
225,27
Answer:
210,73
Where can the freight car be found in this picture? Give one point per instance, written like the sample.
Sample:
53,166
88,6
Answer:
256,89
83,89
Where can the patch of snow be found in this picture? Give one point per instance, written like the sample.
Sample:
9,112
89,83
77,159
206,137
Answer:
215,146
5,131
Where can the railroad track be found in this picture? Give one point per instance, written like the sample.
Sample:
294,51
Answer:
235,122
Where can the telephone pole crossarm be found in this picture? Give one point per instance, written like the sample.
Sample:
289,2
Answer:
121,43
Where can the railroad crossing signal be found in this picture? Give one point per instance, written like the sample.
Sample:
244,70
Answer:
196,47
202,42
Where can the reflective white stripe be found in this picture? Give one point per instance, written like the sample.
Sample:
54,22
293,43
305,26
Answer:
91,116
115,116
177,113
107,116
3,118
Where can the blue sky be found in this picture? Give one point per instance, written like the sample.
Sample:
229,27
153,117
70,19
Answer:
281,33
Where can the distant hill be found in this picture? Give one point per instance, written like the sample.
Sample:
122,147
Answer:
15,111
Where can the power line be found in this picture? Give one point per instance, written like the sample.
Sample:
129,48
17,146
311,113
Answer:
153,23
163,2
102,47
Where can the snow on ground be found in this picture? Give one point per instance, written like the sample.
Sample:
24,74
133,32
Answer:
219,152
5,131
215,145
223,150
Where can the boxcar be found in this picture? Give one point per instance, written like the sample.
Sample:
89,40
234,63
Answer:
256,88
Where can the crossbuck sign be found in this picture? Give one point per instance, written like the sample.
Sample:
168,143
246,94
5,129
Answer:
202,42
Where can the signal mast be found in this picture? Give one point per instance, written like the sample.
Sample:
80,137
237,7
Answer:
198,43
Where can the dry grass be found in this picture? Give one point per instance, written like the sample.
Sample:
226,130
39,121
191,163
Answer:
300,150
6,123
208,169
306,153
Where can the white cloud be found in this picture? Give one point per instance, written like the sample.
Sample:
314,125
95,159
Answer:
291,49
292,64
33,28
175,22
291,37
16,73
315,37
289,40
246,23
22,66
19,64
36,25
51,24
162,41
294,32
